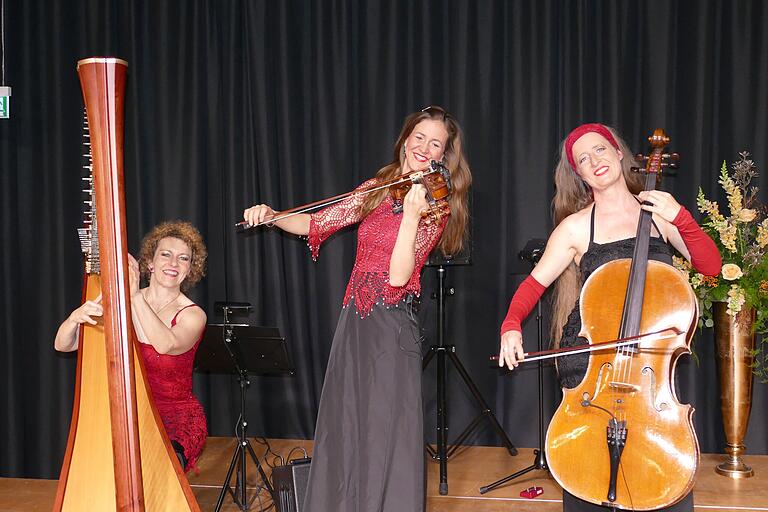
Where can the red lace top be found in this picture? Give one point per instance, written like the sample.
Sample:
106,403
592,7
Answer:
376,238
170,380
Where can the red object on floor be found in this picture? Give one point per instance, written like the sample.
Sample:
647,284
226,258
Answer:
531,492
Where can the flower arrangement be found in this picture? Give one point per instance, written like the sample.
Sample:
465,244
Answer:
742,238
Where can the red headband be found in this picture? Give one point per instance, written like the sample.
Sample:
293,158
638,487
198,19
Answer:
578,132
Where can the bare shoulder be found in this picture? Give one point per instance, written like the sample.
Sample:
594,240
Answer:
573,232
190,313
576,224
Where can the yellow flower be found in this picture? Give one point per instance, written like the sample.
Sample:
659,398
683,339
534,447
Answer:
731,272
763,287
710,281
728,237
735,199
762,233
747,215
681,264
736,299
709,207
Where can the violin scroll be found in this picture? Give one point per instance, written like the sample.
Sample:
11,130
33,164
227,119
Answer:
436,181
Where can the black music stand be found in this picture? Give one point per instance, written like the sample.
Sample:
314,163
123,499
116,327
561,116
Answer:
242,349
532,253
441,350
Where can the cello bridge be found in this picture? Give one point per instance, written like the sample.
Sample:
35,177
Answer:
625,387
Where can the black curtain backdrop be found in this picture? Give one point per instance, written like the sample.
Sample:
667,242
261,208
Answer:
231,103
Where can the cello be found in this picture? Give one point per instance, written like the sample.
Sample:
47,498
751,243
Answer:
621,439
118,455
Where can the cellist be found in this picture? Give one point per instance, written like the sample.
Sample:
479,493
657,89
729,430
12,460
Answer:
597,205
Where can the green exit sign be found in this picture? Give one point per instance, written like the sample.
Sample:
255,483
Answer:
5,102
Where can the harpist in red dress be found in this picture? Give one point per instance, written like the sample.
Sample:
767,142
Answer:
170,379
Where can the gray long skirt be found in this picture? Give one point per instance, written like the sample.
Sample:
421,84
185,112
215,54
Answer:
369,442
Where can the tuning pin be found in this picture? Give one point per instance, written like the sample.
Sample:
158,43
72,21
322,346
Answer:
672,160
641,157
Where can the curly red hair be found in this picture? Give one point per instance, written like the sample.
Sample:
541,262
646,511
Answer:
185,232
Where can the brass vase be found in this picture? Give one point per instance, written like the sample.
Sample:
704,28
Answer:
735,345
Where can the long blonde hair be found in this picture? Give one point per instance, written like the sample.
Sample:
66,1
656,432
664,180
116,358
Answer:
572,194
454,234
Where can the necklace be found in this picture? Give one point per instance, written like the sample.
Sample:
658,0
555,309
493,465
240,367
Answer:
157,311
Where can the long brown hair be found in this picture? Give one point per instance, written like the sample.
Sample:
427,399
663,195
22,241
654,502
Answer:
454,234
572,194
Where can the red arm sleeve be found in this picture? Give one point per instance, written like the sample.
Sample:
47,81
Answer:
525,298
325,222
705,257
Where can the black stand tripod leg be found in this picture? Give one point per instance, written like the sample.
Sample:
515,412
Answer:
225,487
261,471
442,426
506,479
485,409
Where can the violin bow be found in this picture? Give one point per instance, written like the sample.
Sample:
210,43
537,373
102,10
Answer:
434,167
670,332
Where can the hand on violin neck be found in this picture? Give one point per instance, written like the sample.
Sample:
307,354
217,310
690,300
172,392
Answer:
661,203
415,202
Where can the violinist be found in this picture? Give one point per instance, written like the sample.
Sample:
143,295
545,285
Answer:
597,205
368,452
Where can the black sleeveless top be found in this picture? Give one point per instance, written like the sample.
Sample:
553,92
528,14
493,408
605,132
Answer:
571,369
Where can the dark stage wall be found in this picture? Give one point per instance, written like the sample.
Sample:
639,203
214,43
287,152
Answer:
230,103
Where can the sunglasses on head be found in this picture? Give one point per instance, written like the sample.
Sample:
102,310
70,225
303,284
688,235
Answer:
434,110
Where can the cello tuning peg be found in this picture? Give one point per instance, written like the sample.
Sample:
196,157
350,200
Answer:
637,169
671,156
641,157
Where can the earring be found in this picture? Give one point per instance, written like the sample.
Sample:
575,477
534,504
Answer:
404,150
151,269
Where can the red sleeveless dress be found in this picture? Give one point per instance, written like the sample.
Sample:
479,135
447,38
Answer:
170,380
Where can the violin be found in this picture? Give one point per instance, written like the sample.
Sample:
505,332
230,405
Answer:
436,180
621,438
437,183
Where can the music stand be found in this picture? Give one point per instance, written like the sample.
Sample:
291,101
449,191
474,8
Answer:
443,351
242,349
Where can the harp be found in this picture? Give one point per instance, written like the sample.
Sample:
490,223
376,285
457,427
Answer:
118,455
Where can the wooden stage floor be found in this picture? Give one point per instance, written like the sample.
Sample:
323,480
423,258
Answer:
468,469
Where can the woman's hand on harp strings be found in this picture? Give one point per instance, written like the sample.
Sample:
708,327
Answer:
511,351
66,337
85,313
134,275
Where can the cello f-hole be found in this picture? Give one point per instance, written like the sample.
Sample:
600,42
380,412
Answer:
648,371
